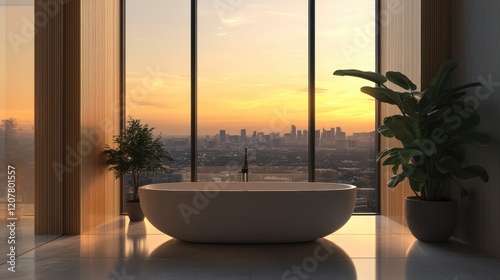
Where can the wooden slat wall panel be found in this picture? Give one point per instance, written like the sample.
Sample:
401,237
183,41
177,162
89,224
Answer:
400,50
72,121
435,37
414,41
49,157
76,113
100,108
475,41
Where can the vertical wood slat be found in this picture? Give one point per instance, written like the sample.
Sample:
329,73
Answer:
49,92
400,50
100,108
77,107
435,37
72,121
414,41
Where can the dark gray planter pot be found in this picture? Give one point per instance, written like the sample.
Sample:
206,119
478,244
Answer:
431,221
134,211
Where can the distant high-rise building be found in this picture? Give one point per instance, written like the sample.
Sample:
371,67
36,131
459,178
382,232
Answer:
339,134
317,137
299,134
222,136
294,131
254,135
260,137
243,135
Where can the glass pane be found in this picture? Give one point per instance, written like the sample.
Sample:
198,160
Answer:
17,170
252,89
345,117
158,76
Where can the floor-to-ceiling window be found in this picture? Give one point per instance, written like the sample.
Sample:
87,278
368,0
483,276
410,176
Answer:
252,88
345,117
17,172
158,77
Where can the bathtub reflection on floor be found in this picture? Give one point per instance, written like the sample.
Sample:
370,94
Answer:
320,259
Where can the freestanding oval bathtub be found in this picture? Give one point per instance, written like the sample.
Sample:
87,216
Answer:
230,212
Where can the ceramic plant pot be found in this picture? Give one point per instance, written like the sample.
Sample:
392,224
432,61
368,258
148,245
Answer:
134,211
431,221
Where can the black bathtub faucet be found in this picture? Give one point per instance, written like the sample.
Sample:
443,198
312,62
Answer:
244,169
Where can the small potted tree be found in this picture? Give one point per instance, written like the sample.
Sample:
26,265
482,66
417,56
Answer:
433,127
137,154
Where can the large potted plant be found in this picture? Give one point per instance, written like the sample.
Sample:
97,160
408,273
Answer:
433,127
137,154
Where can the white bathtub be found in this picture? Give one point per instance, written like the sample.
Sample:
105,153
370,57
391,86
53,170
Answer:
222,212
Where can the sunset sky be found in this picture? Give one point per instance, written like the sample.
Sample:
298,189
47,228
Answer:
16,55
252,65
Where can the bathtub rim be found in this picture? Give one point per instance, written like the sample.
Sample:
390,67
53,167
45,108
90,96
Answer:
226,187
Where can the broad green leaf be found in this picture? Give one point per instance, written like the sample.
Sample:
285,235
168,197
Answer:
401,127
395,168
427,146
455,152
409,153
385,130
367,75
448,164
392,160
400,80
471,138
415,173
452,92
439,82
415,185
394,181
382,94
390,151
409,105
476,138
470,172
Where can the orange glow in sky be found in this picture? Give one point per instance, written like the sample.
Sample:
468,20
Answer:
252,65
17,65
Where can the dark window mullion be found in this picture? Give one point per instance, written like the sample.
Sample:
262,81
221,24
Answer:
311,90
194,77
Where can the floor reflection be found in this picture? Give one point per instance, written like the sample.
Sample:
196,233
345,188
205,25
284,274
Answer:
124,250
274,261
24,236
451,260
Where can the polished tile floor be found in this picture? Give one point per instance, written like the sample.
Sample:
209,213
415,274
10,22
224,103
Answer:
367,247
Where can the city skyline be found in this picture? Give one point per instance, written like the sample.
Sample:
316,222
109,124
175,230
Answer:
216,133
